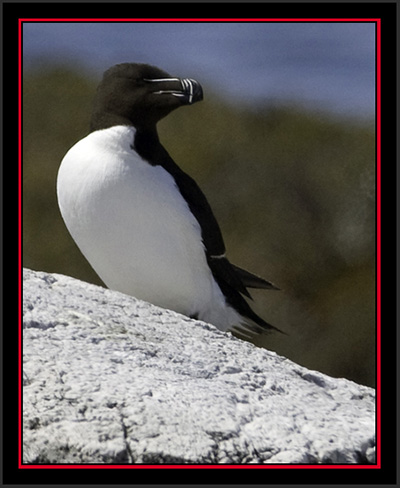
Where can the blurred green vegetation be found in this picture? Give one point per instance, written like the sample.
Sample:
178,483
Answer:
293,191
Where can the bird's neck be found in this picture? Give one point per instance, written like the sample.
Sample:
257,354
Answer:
105,120
147,144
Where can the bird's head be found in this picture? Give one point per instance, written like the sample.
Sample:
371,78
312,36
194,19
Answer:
140,95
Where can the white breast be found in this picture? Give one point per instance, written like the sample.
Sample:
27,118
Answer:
134,227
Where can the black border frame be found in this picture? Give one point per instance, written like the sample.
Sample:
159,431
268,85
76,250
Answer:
387,12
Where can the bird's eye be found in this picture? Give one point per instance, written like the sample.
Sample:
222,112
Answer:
134,79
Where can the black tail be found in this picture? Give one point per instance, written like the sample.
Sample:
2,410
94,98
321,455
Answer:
251,280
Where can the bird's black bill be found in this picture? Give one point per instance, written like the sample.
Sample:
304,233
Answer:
186,89
192,90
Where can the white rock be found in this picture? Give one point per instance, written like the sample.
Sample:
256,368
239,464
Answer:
111,379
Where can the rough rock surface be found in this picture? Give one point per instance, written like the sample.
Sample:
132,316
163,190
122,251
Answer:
111,379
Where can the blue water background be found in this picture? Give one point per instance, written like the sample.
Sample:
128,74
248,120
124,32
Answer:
322,65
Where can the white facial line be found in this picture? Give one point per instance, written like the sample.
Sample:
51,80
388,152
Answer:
164,92
186,83
171,92
156,80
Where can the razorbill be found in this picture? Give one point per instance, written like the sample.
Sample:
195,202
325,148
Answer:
142,223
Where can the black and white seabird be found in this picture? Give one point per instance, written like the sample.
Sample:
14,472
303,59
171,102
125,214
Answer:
142,223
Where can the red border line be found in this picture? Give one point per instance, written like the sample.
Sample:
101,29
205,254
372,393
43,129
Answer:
197,20
378,242
20,242
199,466
378,251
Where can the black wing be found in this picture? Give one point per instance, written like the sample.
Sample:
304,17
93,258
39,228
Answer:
232,280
